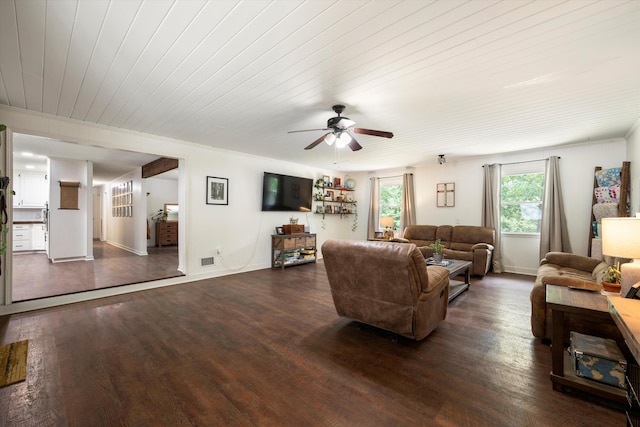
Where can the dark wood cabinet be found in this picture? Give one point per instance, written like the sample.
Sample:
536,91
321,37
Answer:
166,233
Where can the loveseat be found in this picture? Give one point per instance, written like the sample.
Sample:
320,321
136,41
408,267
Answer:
464,242
386,285
562,269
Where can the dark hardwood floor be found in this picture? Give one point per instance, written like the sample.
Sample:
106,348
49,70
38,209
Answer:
267,348
35,277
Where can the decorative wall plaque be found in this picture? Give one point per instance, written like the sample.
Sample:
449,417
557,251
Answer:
446,195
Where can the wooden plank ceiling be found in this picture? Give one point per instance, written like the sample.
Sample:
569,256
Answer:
448,77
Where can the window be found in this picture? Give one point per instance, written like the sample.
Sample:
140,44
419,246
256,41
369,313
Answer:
521,192
391,199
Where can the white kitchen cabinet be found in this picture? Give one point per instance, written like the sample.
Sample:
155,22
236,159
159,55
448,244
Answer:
21,237
38,237
32,189
29,237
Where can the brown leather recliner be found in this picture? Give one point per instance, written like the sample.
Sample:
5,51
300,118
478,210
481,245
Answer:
386,285
561,269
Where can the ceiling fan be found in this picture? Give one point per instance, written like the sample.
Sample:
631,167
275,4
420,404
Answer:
340,128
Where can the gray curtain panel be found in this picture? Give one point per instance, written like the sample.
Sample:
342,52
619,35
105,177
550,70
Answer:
408,210
374,208
554,235
491,209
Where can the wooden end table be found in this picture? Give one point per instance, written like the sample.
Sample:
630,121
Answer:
565,302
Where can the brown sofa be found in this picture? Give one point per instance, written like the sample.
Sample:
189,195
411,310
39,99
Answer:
465,242
562,269
386,285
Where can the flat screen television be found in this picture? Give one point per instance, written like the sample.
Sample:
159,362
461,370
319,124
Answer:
286,193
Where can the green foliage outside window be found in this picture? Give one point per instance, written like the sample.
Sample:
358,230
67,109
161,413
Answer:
391,202
521,202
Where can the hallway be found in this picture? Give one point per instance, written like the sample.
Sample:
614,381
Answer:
35,277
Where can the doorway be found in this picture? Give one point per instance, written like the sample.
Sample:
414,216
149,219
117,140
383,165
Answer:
107,264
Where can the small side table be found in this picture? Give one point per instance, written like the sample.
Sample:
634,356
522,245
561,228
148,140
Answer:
587,306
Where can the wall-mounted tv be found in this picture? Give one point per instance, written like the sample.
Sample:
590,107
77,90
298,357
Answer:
286,193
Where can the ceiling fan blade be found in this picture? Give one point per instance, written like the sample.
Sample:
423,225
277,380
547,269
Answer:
354,145
381,133
305,130
316,142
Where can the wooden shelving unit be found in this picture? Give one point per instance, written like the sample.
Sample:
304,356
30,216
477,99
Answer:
341,203
292,249
623,202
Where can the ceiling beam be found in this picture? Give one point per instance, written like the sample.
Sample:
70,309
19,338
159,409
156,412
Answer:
158,166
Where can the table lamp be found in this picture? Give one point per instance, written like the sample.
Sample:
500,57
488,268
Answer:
621,239
387,222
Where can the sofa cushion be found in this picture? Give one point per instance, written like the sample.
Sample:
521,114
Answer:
464,237
421,232
444,233
570,260
558,270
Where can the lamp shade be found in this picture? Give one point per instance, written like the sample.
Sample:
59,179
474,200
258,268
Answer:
343,139
621,237
386,221
330,139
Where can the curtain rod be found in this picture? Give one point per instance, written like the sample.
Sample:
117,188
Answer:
524,161
393,176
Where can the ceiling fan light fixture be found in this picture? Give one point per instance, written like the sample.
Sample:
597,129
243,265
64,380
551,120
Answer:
343,139
345,123
330,139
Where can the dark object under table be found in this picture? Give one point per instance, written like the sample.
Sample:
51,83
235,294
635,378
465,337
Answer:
456,267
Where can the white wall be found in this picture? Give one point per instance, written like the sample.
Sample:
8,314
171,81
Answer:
240,229
129,232
68,227
243,232
577,165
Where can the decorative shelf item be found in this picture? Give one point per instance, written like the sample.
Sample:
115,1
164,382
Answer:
122,199
335,198
446,195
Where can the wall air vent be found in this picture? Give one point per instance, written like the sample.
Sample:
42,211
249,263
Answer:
206,261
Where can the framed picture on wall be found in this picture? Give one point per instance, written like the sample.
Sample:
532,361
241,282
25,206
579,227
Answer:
217,191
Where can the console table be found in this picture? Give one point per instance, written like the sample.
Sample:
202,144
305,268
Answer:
626,314
586,307
292,249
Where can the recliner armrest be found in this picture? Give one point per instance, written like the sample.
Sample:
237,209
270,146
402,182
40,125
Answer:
400,240
482,246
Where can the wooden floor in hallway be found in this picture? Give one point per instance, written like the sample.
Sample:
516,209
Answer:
34,276
266,348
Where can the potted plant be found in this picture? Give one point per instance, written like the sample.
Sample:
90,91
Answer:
160,216
611,279
437,249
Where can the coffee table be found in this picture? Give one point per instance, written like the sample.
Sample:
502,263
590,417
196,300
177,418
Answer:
456,268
